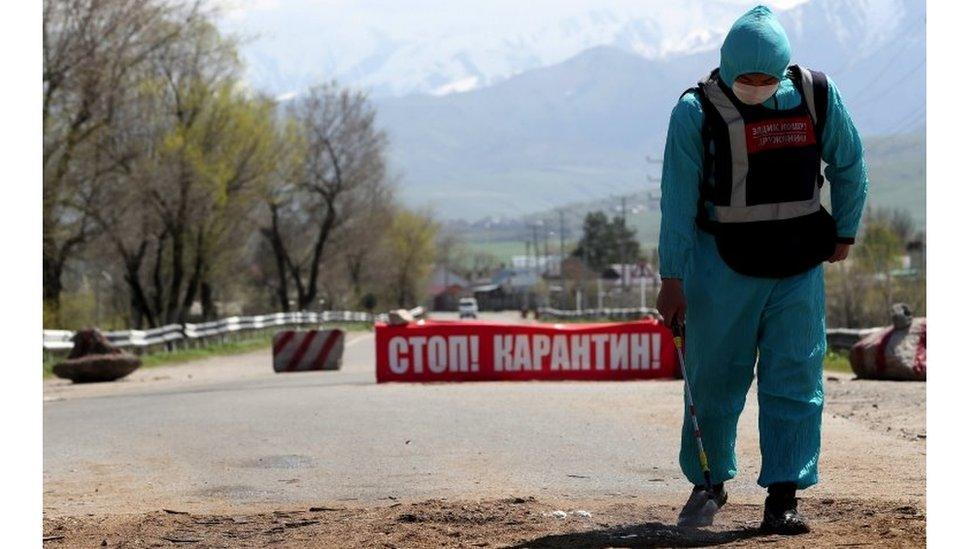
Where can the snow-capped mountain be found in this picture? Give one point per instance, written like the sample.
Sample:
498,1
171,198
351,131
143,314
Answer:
518,116
582,128
397,48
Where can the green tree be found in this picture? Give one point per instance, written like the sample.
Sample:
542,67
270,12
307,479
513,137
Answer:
411,243
194,147
605,242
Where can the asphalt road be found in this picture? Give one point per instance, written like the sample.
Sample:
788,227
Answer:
227,434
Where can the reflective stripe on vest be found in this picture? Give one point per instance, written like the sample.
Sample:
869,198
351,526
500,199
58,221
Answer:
806,79
738,211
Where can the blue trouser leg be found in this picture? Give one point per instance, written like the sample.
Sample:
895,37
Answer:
730,317
723,320
792,343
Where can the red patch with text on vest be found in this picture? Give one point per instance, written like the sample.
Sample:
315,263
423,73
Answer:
779,133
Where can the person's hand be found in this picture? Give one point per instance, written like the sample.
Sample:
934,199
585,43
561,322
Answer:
671,301
840,253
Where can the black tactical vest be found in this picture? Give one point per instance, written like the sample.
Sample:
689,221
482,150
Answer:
762,176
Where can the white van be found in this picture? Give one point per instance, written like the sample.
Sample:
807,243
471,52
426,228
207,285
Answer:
468,307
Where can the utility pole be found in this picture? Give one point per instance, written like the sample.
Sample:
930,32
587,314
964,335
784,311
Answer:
562,257
599,292
562,234
545,245
643,301
525,293
535,245
623,263
444,292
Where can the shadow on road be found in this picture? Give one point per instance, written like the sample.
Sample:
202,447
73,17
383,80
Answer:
652,534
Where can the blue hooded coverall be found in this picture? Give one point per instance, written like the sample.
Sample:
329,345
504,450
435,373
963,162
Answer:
730,316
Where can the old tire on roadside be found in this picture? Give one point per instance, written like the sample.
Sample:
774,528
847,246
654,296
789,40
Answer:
93,368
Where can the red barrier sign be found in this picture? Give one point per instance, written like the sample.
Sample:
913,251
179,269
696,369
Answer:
483,351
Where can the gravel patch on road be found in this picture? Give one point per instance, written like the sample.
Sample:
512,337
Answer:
893,407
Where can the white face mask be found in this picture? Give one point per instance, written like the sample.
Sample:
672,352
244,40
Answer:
753,95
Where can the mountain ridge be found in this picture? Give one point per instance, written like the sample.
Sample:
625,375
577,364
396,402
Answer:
394,50
585,127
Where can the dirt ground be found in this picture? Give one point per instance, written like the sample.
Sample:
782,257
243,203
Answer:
512,522
891,407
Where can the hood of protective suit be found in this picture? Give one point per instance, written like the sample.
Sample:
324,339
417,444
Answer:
755,43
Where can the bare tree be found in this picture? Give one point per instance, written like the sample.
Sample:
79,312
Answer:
341,164
91,49
168,180
861,290
360,240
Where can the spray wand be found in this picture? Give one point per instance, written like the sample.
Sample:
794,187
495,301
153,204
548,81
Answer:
678,331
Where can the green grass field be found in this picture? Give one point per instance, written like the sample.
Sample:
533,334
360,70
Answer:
502,250
837,362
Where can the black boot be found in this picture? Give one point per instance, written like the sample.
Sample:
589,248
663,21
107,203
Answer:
699,512
780,515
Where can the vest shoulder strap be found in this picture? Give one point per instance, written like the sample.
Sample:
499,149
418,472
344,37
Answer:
813,87
686,92
704,189
702,219
820,97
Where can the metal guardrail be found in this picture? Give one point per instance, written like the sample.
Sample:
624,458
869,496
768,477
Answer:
59,340
845,338
837,338
617,313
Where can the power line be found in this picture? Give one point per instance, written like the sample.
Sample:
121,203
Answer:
895,57
894,84
896,129
545,245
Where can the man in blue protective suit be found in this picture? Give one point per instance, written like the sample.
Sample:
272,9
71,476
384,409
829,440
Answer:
743,240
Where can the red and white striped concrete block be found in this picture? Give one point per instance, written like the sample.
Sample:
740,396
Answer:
304,350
